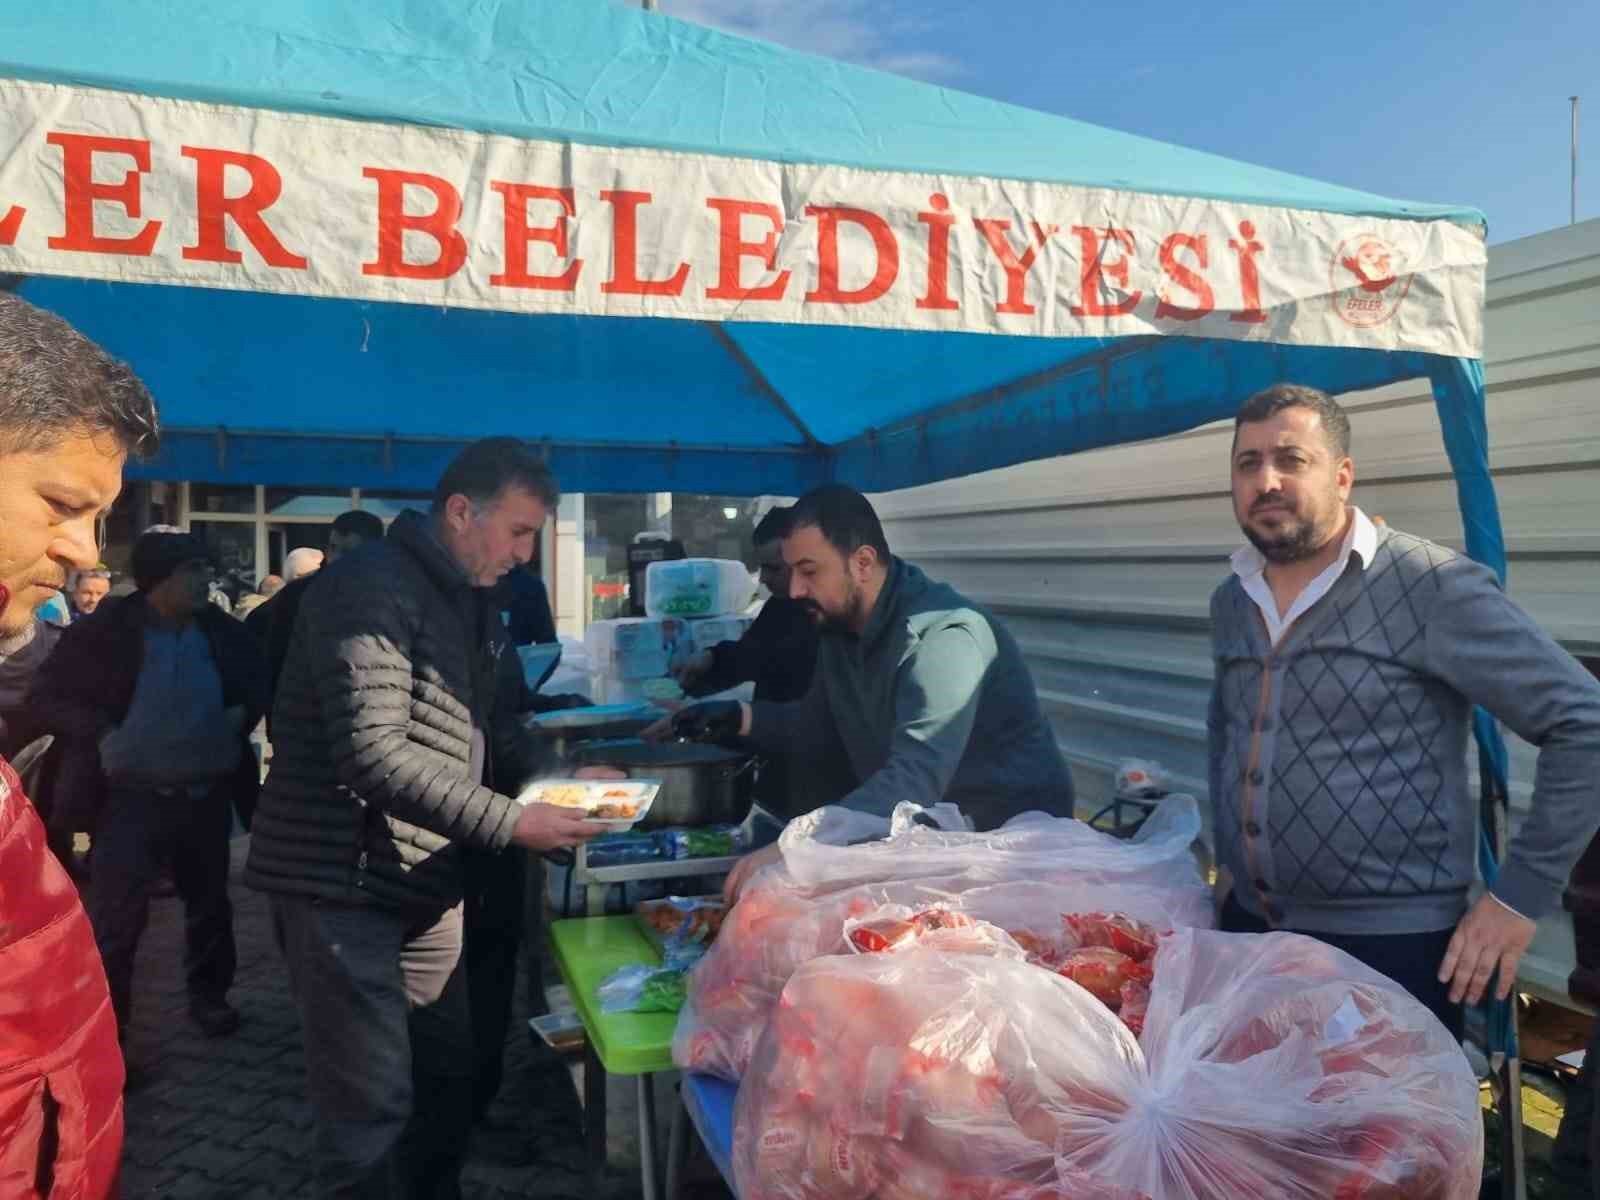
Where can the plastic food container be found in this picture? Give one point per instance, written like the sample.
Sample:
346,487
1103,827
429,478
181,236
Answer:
697,587
680,920
712,630
615,803
561,1031
627,648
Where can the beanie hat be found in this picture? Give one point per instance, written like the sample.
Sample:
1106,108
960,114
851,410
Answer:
157,554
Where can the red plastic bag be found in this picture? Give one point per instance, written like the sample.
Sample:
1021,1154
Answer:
1271,1066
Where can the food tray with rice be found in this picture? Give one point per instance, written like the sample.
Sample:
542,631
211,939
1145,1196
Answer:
616,803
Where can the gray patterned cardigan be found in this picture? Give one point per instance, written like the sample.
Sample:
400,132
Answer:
1338,759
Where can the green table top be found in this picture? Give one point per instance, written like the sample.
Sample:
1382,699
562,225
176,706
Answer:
588,950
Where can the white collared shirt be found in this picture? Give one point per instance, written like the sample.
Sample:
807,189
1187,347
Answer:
1250,565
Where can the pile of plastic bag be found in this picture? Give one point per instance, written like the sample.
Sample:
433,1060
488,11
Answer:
1024,877
948,1064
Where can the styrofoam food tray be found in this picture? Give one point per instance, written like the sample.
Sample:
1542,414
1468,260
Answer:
591,794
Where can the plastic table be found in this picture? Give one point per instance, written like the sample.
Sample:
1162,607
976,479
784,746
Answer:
588,950
706,1102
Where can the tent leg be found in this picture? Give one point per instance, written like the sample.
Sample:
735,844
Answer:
1508,1082
1513,1176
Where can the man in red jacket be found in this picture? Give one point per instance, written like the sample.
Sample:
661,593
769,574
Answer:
69,417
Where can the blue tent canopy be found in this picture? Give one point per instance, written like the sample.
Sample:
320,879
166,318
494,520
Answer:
257,385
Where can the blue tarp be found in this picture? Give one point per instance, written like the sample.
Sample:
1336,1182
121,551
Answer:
292,390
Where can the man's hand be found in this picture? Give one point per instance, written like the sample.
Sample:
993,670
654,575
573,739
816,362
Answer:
546,827
692,668
739,878
659,731
1489,936
712,721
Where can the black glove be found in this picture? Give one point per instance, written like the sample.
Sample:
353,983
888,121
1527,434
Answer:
712,721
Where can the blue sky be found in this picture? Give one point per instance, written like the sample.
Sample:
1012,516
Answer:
1460,103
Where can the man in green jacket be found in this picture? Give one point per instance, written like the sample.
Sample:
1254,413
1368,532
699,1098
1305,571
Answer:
919,695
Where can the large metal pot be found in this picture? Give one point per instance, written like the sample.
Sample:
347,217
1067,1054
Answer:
567,729
700,785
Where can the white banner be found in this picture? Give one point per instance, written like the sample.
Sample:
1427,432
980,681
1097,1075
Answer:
110,185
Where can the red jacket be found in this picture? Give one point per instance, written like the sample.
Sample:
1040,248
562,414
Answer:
60,1064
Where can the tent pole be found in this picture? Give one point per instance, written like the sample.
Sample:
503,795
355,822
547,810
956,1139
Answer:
1574,100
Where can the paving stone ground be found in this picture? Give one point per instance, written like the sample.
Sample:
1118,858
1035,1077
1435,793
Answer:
226,1118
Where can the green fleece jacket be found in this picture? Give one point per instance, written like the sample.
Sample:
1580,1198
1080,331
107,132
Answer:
932,702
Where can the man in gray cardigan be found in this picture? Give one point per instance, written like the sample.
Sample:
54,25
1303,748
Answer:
918,693
1348,659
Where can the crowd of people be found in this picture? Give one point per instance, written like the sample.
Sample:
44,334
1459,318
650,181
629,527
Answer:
388,841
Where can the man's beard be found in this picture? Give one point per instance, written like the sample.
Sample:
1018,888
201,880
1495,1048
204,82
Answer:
846,618
13,628
1297,538
1291,543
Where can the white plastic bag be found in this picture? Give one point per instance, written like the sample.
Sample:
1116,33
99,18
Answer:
1032,845
1141,777
835,825
795,910
1271,1066
775,929
933,1073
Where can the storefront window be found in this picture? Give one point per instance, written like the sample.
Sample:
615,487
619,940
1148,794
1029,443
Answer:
319,503
390,504
140,506
221,498
610,523
233,546
714,526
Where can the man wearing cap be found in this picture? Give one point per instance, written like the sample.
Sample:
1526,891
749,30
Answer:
155,694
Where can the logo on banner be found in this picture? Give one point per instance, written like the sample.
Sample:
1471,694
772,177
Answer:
1369,279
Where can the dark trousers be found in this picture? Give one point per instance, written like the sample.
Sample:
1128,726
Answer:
493,908
383,1007
140,833
1410,959
1575,1157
